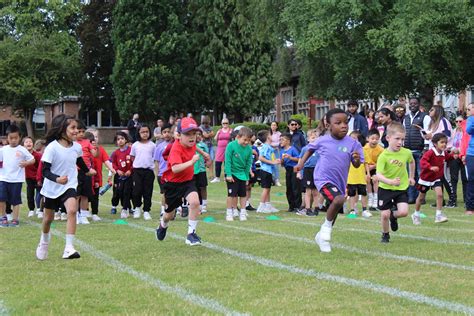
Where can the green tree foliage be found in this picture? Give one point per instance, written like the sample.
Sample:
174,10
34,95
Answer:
97,55
39,55
152,62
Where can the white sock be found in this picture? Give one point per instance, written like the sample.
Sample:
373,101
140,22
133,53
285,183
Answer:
328,223
45,237
247,203
204,203
192,226
262,204
268,204
163,224
375,197
69,240
417,213
243,211
229,212
84,213
162,209
439,212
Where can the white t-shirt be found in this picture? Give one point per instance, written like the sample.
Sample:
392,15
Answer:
11,170
63,163
143,153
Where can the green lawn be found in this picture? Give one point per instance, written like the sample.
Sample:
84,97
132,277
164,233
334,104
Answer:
255,267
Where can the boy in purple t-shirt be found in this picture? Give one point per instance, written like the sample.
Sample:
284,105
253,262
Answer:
336,151
160,163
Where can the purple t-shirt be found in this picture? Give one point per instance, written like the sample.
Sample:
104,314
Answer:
334,160
159,157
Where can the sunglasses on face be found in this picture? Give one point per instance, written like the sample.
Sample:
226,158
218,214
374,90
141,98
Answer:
225,123
293,124
458,121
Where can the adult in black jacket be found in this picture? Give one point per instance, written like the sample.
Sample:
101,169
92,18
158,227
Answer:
297,138
133,126
415,121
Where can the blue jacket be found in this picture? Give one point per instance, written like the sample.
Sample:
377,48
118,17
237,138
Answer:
360,124
470,131
297,140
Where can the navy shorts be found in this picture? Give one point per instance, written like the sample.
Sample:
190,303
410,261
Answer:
237,188
10,192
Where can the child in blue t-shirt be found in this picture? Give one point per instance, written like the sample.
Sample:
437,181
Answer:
289,158
311,194
267,164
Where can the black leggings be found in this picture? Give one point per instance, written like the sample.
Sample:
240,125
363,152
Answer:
455,167
95,201
218,168
31,191
143,180
122,192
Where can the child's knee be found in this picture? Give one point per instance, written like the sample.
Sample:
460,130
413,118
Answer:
339,200
385,215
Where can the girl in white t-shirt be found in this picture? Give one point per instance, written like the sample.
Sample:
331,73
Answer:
60,160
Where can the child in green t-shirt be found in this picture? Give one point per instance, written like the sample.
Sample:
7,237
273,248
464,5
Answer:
200,176
394,180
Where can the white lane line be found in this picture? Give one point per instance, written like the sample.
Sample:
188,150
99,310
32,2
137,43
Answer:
209,304
3,308
364,284
359,230
352,249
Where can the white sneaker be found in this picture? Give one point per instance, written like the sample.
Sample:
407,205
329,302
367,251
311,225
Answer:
31,213
9,217
146,216
42,251
325,233
366,214
415,219
356,213
63,217
96,218
235,213
137,212
86,214
277,183
38,211
215,180
441,218
243,216
260,208
203,210
272,208
324,245
124,213
83,220
71,253
40,215
57,216
229,216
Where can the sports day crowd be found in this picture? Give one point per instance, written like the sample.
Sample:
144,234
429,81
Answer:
386,159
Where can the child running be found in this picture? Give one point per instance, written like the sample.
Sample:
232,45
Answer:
266,171
238,163
178,181
372,151
143,176
394,179
122,163
60,160
15,158
432,171
336,152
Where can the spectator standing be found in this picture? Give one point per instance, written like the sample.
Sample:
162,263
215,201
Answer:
133,126
400,112
357,122
222,137
157,130
467,152
275,136
207,137
456,165
297,138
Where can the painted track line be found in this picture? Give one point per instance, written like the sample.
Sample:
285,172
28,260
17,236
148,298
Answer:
209,304
352,249
3,308
367,285
359,230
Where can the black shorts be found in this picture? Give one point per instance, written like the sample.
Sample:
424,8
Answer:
237,188
254,179
390,198
158,179
355,189
175,192
329,192
84,185
200,179
266,179
308,179
425,188
55,204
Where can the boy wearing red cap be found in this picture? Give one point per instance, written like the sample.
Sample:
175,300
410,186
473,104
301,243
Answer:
178,181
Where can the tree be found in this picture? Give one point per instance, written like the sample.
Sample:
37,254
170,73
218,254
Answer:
152,62
97,55
38,54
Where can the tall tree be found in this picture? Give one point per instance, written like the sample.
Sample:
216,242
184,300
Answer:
38,54
97,55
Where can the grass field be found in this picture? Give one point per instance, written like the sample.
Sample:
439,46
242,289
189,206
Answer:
256,267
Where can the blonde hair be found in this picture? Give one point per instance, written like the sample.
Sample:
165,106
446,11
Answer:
39,144
313,131
395,127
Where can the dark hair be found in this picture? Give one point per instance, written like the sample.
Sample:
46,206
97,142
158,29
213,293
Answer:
89,136
139,138
122,134
271,132
286,135
263,135
373,131
414,97
332,112
360,138
387,112
166,126
353,102
81,125
12,129
437,137
59,125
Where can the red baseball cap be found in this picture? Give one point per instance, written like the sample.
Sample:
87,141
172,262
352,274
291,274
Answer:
186,125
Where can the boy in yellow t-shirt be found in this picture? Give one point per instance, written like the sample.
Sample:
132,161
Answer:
356,184
394,180
372,151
